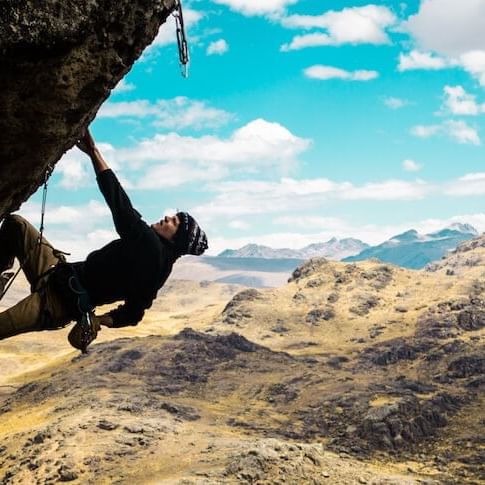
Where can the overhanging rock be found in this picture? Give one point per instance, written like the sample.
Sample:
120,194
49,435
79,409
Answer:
59,60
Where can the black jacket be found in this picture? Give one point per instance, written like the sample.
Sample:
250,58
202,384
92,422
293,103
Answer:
132,268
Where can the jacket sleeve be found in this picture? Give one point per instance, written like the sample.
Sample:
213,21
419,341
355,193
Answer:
127,314
126,219
133,310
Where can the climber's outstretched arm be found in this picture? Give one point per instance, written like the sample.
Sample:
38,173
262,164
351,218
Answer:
88,146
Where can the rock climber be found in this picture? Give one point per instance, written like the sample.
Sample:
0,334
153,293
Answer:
130,269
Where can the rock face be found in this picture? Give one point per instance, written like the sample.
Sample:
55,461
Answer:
58,63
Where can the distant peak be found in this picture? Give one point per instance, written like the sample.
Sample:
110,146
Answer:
410,235
465,228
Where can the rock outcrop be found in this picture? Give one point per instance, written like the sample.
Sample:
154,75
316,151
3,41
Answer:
58,63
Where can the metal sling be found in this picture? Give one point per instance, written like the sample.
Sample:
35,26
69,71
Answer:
182,44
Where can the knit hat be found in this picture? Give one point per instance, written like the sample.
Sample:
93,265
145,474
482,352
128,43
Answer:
189,238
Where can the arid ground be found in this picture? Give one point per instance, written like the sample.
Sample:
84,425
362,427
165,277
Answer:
350,373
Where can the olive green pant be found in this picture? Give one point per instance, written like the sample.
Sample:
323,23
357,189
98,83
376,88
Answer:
43,309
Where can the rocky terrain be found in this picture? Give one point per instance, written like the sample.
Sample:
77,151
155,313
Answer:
351,373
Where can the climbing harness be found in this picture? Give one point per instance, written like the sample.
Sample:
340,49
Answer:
181,39
47,174
66,282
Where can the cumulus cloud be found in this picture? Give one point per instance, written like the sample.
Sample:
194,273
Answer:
239,225
454,31
74,170
123,87
325,73
411,166
177,113
256,7
421,60
218,47
426,131
462,133
449,27
68,228
389,190
459,131
395,103
469,184
474,63
172,159
252,197
167,33
68,215
459,102
355,25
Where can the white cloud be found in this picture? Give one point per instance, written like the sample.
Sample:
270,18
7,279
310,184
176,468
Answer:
75,229
167,33
218,47
426,131
123,87
395,103
454,30
238,224
307,40
68,215
133,109
80,244
462,133
449,27
459,102
74,170
171,159
474,63
256,7
329,72
469,184
389,190
176,113
411,166
459,131
356,25
421,60
252,197
174,174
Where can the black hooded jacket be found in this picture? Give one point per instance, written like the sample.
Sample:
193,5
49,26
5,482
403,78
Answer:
132,268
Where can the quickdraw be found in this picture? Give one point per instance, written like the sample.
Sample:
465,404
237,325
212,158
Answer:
181,39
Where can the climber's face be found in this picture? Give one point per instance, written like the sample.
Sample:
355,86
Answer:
167,227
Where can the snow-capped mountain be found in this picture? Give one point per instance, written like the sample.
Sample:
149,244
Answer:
333,249
413,250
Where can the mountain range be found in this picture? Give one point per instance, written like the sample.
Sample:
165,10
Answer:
413,250
334,249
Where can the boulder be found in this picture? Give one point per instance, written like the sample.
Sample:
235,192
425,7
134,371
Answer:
59,60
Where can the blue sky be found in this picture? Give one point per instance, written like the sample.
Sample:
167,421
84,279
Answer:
300,121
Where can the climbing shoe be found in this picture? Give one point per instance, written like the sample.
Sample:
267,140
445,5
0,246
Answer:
84,331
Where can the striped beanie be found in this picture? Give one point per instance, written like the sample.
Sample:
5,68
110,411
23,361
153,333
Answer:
189,238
